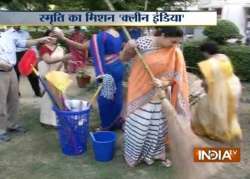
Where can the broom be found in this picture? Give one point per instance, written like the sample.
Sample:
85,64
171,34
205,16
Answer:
135,48
183,141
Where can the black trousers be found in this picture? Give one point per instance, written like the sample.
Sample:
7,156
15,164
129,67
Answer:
33,79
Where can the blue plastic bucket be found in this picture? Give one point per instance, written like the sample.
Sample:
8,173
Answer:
73,130
104,145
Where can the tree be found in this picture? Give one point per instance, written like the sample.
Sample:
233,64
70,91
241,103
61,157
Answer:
78,5
26,5
223,31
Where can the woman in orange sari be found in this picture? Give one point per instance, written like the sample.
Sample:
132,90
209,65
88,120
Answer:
146,125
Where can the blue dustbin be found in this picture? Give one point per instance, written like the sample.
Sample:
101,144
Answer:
73,130
104,145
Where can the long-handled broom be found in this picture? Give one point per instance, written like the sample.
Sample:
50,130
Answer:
147,68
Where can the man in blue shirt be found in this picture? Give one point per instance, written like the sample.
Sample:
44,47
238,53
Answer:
9,99
33,79
135,33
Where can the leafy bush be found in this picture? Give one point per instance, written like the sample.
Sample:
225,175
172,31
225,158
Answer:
239,55
37,34
192,55
223,31
91,30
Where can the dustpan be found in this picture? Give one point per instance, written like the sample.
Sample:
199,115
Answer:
28,59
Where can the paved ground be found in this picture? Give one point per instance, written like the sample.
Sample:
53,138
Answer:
37,154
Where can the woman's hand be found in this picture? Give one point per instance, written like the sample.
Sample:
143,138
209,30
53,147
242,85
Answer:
132,43
157,83
161,93
60,35
99,78
161,83
45,39
166,82
128,51
58,32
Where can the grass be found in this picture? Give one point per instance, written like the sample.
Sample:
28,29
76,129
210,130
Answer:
37,154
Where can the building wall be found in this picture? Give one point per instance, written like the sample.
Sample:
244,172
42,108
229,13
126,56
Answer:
236,14
216,3
232,10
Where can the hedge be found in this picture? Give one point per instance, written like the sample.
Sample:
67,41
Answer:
37,34
192,55
223,31
239,55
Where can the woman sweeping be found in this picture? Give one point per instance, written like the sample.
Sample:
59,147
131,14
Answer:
52,58
146,125
215,114
105,48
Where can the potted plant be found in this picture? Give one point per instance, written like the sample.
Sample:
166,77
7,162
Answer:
82,78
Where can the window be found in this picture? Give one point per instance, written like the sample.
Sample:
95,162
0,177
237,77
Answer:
204,9
219,12
247,10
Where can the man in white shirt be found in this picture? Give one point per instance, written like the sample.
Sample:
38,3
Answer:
8,82
33,79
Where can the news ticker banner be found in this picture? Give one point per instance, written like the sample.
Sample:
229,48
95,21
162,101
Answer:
110,18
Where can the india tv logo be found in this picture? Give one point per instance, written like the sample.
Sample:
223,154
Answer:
216,154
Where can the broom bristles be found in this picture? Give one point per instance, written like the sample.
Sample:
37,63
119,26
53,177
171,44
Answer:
183,141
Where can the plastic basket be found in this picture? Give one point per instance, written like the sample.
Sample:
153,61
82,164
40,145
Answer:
73,130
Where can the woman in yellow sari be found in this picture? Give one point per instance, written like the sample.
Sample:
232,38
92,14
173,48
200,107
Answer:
146,125
215,114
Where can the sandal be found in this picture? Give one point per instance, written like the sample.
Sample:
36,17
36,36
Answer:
167,163
149,161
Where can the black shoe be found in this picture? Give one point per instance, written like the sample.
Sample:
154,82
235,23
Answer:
40,94
4,137
17,129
